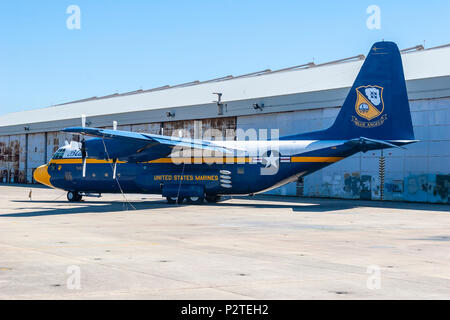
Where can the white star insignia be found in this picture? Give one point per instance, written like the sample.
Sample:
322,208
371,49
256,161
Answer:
271,160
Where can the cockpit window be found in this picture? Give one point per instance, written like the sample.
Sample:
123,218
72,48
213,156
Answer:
59,154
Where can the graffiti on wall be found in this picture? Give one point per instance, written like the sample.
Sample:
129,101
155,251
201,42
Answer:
416,188
357,186
442,187
427,188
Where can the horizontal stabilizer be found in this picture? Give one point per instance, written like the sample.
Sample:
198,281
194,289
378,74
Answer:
365,144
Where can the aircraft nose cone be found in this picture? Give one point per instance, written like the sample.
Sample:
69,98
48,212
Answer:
41,175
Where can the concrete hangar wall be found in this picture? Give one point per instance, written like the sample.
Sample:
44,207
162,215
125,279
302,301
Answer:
294,100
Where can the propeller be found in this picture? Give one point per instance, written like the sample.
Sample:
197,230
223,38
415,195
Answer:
83,156
115,159
83,145
84,150
115,168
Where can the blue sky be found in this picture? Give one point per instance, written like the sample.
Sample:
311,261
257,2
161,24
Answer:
129,45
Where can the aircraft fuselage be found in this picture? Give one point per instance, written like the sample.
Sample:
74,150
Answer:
252,171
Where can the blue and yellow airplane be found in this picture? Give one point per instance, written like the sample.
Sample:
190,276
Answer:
375,115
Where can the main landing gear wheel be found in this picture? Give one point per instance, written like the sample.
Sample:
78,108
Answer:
173,200
74,196
213,198
195,200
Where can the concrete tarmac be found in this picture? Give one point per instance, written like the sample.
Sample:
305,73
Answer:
259,247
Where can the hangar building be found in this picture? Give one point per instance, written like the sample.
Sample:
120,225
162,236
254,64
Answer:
297,99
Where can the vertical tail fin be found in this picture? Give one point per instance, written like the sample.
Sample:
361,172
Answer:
377,105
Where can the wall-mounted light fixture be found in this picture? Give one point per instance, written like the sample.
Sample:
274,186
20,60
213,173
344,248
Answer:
219,103
170,114
258,106
26,128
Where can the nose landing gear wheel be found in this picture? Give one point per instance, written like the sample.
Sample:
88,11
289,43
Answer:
195,200
74,196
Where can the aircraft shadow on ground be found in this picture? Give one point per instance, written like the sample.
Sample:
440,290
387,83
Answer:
83,207
119,206
342,204
60,207
297,204
263,202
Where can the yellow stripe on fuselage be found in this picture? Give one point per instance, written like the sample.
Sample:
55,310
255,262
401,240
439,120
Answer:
161,160
209,160
79,161
315,159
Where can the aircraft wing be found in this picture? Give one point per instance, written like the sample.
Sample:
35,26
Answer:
135,146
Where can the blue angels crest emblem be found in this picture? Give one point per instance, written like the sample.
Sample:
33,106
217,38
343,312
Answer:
369,105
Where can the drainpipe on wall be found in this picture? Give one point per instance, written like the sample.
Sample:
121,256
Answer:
26,158
45,147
